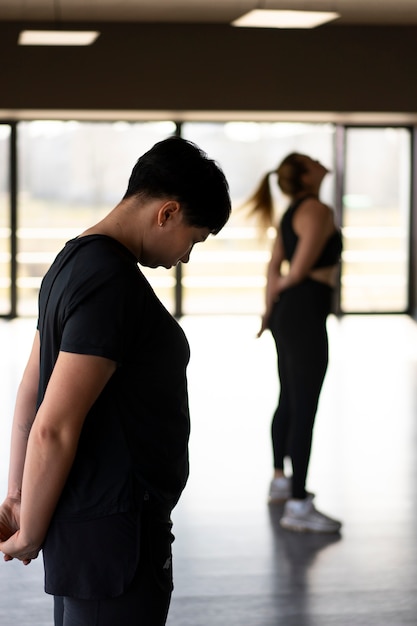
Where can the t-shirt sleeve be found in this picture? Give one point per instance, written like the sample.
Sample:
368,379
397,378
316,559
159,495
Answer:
96,318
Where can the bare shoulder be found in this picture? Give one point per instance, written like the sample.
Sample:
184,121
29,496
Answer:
314,206
314,218
313,210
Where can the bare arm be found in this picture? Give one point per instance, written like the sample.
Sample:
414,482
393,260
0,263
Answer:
75,384
272,280
24,414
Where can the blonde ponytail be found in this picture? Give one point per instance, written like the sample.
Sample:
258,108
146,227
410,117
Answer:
261,202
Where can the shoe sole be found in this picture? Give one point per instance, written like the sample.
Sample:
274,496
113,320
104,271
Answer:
300,528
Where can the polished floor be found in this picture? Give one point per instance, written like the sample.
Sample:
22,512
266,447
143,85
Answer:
233,564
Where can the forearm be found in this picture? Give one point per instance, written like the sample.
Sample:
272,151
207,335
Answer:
49,457
25,411
24,415
270,298
274,274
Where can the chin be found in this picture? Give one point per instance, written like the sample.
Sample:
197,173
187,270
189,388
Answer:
151,265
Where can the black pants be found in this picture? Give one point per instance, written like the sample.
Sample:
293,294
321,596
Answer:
298,325
145,602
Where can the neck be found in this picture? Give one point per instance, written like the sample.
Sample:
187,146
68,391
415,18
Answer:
117,226
305,194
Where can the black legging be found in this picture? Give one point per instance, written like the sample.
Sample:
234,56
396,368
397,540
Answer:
298,325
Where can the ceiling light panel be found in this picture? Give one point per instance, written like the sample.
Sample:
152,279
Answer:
264,18
57,37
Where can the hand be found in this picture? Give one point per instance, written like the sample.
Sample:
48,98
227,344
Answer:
264,325
9,527
17,548
9,518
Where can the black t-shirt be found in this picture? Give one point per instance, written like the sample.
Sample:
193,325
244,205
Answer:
94,300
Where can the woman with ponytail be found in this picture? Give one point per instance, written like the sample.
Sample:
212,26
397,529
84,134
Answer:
298,301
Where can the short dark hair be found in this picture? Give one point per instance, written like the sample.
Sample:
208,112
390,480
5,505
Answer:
178,168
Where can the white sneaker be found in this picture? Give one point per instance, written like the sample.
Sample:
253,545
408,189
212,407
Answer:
302,516
279,490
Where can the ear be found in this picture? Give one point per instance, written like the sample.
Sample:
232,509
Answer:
167,211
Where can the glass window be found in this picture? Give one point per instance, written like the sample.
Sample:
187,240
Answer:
4,219
226,275
376,213
70,175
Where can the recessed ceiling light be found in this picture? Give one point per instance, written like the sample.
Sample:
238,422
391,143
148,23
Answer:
265,18
57,37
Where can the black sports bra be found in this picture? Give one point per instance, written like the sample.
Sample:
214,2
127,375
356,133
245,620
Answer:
330,254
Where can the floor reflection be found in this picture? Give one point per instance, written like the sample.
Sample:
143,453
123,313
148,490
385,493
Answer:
233,564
